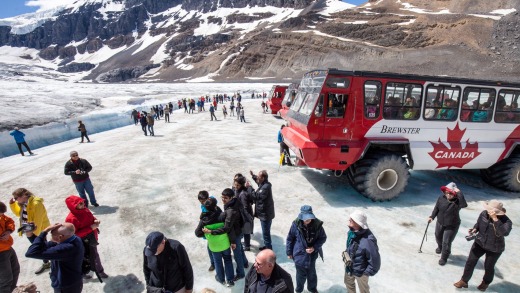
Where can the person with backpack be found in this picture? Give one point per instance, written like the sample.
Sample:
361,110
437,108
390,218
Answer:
166,265
218,242
86,226
303,245
362,259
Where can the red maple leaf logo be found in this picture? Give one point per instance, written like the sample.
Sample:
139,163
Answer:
455,156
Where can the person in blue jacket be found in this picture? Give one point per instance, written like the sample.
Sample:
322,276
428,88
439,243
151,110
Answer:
284,149
65,252
363,256
303,245
19,139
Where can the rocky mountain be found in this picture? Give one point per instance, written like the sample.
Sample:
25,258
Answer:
198,40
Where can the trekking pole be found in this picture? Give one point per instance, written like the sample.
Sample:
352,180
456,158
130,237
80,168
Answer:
420,251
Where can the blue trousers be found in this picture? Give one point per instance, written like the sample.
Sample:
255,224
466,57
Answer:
307,274
266,233
227,268
240,257
87,186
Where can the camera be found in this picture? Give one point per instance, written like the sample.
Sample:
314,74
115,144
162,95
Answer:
27,227
471,236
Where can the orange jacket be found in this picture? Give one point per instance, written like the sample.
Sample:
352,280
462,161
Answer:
6,224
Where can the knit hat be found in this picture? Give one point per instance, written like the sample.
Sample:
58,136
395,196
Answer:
153,241
306,213
360,218
450,187
494,205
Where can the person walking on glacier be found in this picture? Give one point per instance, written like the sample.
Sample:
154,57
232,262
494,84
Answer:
144,122
20,140
83,130
447,211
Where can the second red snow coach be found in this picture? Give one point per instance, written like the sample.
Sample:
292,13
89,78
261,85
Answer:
374,127
275,97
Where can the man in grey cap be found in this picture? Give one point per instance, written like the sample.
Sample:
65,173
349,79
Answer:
362,254
303,245
78,169
166,265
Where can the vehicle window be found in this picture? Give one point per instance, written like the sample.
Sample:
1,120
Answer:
318,111
298,101
402,101
442,103
337,82
507,107
372,99
477,104
336,105
308,104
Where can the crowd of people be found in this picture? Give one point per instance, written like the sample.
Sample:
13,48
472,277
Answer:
72,256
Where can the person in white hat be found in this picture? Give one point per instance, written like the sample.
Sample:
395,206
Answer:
363,254
447,211
492,226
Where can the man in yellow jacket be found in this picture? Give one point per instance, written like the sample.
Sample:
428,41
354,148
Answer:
30,210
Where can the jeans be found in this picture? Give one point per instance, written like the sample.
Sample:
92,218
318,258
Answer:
78,288
307,274
475,253
136,121
83,186
150,129
10,270
210,257
240,257
266,233
444,237
84,135
228,265
25,145
143,127
242,119
247,240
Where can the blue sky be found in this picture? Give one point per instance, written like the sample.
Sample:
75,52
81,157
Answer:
17,7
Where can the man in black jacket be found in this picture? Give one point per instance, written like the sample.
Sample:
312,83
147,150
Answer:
267,276
447,211
78,169
492,227
65,252
264,205
166,265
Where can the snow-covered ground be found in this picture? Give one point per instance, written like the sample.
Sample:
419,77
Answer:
148,183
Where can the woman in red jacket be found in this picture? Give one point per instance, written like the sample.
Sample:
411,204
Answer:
86,226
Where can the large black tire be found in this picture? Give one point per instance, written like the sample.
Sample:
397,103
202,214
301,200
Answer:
504,174
380,177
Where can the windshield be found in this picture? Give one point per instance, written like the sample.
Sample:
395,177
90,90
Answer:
308,104
300,96
313,81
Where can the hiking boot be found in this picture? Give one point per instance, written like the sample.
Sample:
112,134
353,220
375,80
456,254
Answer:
483,286
442,261
95,204
103,275
236,278
246,265
87,276
45,266
211,268
438,250
230,284
461,284
216,279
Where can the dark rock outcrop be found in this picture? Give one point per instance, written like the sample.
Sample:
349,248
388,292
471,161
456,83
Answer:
76,67
122,74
